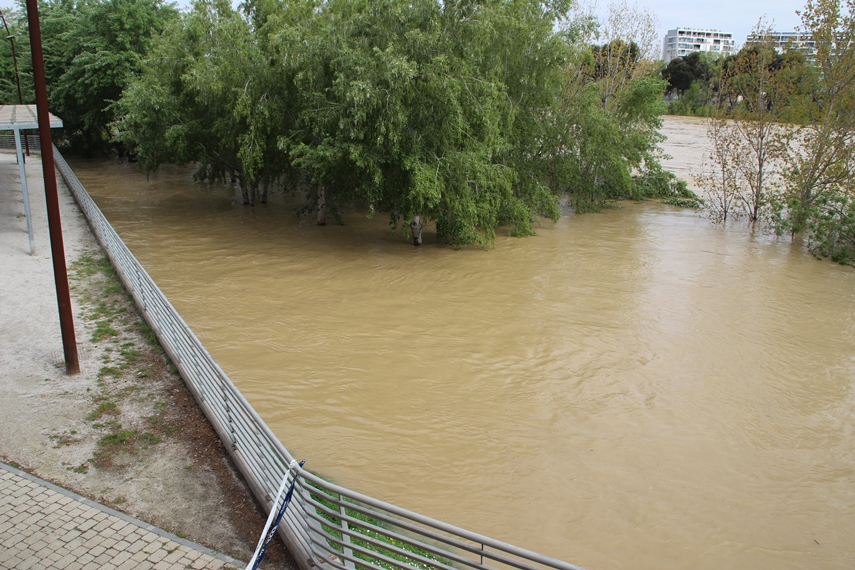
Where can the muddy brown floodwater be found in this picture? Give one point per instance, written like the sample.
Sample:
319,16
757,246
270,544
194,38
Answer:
632,389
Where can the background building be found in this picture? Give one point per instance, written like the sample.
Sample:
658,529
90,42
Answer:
784,41
683,41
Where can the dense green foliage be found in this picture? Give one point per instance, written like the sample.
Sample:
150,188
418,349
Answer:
92,49
702,85
472,115
16,21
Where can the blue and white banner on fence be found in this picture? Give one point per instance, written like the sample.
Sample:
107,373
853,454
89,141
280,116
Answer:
269,531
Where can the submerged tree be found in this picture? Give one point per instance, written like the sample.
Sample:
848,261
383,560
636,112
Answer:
469,115
611,109
820,163
721,178
756,92
181,109
432,112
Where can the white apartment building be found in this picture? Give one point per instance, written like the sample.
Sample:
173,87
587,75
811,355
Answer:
683,41
784,41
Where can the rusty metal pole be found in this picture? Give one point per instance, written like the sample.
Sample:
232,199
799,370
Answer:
60,273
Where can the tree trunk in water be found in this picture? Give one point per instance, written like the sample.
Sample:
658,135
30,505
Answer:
416,228
322,206
244,190
265,185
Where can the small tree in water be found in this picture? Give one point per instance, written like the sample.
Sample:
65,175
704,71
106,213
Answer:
720,178
753,80
748,143
819,172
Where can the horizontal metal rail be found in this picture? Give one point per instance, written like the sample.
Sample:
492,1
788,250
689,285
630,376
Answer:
7,142
326,525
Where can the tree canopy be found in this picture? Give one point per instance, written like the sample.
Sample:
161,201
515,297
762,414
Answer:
681,72
474,115
92,49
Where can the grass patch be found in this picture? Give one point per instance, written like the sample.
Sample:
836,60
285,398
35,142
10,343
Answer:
109,371
113,289
130,355
148,334
103,408
85,266
62,440
150,438
102,331
123,437
106,267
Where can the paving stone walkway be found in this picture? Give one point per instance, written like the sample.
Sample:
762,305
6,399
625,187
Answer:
44,526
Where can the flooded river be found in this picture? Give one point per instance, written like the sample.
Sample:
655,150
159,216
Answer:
632,389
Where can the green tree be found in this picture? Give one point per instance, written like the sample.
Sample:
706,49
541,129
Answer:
182,107
819,171
431,112
16,21
756,89
473,116
92,50
682,72
612,106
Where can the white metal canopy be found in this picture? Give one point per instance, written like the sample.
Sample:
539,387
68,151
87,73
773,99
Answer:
17,118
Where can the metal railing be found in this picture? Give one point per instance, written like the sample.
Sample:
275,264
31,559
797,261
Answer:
7,142
325,525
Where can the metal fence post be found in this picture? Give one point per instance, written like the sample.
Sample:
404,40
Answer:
346,537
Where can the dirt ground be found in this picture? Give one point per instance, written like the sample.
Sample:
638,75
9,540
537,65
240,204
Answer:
125,431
